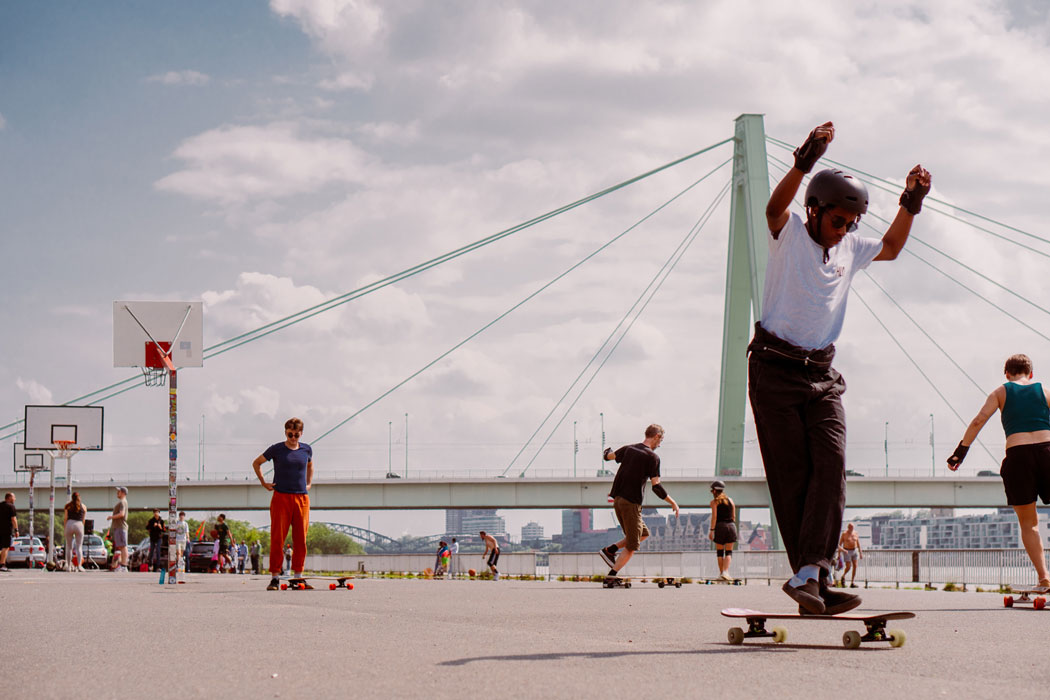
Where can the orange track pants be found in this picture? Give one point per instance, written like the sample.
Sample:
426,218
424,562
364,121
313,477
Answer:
288,510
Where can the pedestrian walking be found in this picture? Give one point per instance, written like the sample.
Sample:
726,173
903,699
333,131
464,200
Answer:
795,393
293,474
73,519
256,552
639,463
849,549
1024,406
182,538
454,559
242,556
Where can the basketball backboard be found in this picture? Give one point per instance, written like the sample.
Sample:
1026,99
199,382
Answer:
177,326
46,426
25,460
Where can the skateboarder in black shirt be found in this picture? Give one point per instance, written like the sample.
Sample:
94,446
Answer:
638,464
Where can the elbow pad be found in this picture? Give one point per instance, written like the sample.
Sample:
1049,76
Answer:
659,490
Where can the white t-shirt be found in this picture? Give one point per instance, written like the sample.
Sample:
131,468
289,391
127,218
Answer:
182,532
804,301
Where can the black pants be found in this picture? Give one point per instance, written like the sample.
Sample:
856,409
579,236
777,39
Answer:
796,400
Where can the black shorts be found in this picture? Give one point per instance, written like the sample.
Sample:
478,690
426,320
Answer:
5,539
494,557
725,533
224,548
1026,474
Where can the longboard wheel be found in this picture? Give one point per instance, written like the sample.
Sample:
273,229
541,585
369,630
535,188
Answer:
736,635
851,639
627,584
779,634
897,638
660,584
1008,601
284,586
332,586
678,585
1039,603
349,586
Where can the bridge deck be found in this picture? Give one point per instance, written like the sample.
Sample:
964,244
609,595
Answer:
502,639
398,494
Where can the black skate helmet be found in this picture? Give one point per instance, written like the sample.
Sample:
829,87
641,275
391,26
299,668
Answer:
834,188
718,486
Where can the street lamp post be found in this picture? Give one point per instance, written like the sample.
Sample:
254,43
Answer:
389,444
406,444
575,449
886,447
602,417
933,451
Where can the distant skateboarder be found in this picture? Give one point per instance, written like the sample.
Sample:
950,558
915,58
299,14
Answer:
638,464
723,528
118,530
491,545
8,527
795,393
1025,407
293,474
849,545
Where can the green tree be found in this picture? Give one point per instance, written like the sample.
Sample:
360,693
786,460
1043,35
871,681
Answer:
320,539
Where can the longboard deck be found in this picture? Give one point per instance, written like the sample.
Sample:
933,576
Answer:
734,582
625,581
748,613
874,625
298,583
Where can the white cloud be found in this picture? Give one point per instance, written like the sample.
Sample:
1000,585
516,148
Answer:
237,163
262,400
37,392
180,77
346,81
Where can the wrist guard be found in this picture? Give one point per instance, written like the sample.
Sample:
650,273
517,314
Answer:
912,199
807,155
958,456
659,490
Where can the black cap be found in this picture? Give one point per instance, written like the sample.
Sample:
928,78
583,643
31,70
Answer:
718,486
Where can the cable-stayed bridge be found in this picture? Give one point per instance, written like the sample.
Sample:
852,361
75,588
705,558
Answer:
748,187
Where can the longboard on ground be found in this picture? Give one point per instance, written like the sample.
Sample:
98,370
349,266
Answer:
874,625
299,583
1035,595
625,581
733,582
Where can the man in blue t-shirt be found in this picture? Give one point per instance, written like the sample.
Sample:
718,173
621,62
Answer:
795,393
293,473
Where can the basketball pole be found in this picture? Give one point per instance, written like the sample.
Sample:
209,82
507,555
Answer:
51,514
173,473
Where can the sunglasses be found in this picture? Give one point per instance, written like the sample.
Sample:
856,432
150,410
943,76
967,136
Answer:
293,433
843,222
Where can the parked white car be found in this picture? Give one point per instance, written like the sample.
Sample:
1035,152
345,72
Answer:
22,549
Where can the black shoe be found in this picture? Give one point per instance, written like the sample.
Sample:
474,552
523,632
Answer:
807,596
853,585
608,555
275,584
837,602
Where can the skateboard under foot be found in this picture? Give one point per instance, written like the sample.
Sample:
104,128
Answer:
874,626
625,581
1025,595
734,582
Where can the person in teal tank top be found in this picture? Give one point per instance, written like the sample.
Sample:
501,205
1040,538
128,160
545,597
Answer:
1025,409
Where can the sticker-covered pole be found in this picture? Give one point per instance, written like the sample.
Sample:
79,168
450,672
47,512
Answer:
51,514
173,474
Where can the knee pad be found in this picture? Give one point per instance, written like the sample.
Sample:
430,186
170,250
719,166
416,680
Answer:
720,553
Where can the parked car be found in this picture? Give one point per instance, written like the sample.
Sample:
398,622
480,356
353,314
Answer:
987,472
95,551
23,551
139,555
200,556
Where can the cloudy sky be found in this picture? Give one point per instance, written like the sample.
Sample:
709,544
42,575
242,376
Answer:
266,157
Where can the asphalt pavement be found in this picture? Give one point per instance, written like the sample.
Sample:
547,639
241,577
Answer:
106,635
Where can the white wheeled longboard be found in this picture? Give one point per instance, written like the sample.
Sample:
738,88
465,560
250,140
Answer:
874,625
625,581
1036,596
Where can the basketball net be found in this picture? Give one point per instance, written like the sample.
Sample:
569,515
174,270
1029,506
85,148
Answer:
155,376
65,448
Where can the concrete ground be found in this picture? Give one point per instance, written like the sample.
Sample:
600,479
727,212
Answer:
104,635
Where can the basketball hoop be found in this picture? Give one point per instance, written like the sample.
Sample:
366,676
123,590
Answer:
65,447
154,376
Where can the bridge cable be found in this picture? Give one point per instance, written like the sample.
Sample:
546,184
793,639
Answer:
520,303
666,270
918,239
257,333
890,184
